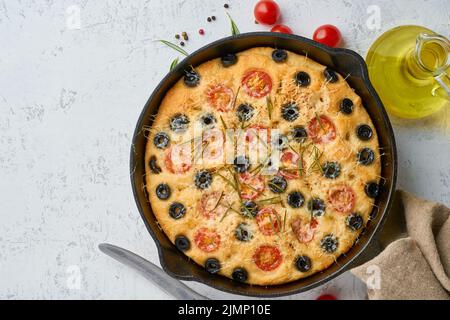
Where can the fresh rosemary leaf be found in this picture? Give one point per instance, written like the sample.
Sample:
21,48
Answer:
234,29
174,47
174,63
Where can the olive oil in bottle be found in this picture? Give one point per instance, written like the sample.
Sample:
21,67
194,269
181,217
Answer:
408,67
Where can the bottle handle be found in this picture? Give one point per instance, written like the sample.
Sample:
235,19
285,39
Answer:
440,72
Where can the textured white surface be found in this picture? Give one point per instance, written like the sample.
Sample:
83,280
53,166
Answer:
69,100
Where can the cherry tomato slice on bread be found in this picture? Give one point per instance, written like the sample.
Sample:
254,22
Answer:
251,185
220,97
304,232
267,220
342,198
257,83
178,158
321,129
208,240
267,257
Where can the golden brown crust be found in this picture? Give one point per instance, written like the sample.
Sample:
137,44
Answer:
319,98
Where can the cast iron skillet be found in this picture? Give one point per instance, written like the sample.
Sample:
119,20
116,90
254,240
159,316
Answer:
349,64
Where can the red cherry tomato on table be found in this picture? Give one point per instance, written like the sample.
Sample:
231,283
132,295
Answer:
281,28
328,35
326,297
267,12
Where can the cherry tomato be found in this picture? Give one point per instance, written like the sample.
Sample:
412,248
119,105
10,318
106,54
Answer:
213,144
210,204
321,129
251,185
267,12
178,158
267,220
220,97
257,83
207,240
291,163
326,297
328,35
267,257
281,28
304,231
342,198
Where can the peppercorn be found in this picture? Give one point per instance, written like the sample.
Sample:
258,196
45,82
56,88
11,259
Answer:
182,43
209,19
226,6
185,36
177,36
214,18
201,32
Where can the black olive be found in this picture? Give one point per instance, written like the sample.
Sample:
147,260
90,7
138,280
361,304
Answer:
365,156
241,164
295,199
177,210
228,59
329,243
240,275
208,120
372,189
364,132
154,168
249,209
317,207
303,263
179,123
191,78
161,140
290,111
299,134
346,106
302,79
330,75
182,243
203,179
163,191
280,142
278,184
245,112
279,55
243,232
354,221
212,265
331,170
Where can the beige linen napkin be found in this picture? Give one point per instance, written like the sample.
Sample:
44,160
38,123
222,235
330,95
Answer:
417,264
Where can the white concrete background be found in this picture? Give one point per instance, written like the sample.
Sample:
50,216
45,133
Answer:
69,100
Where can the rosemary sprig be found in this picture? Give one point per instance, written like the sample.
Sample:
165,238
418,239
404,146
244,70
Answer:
269,107
174,47
235,98
273,200
218,201
271,184
227,181
223,122
319,121
284,222
234,29
225,214
174,63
